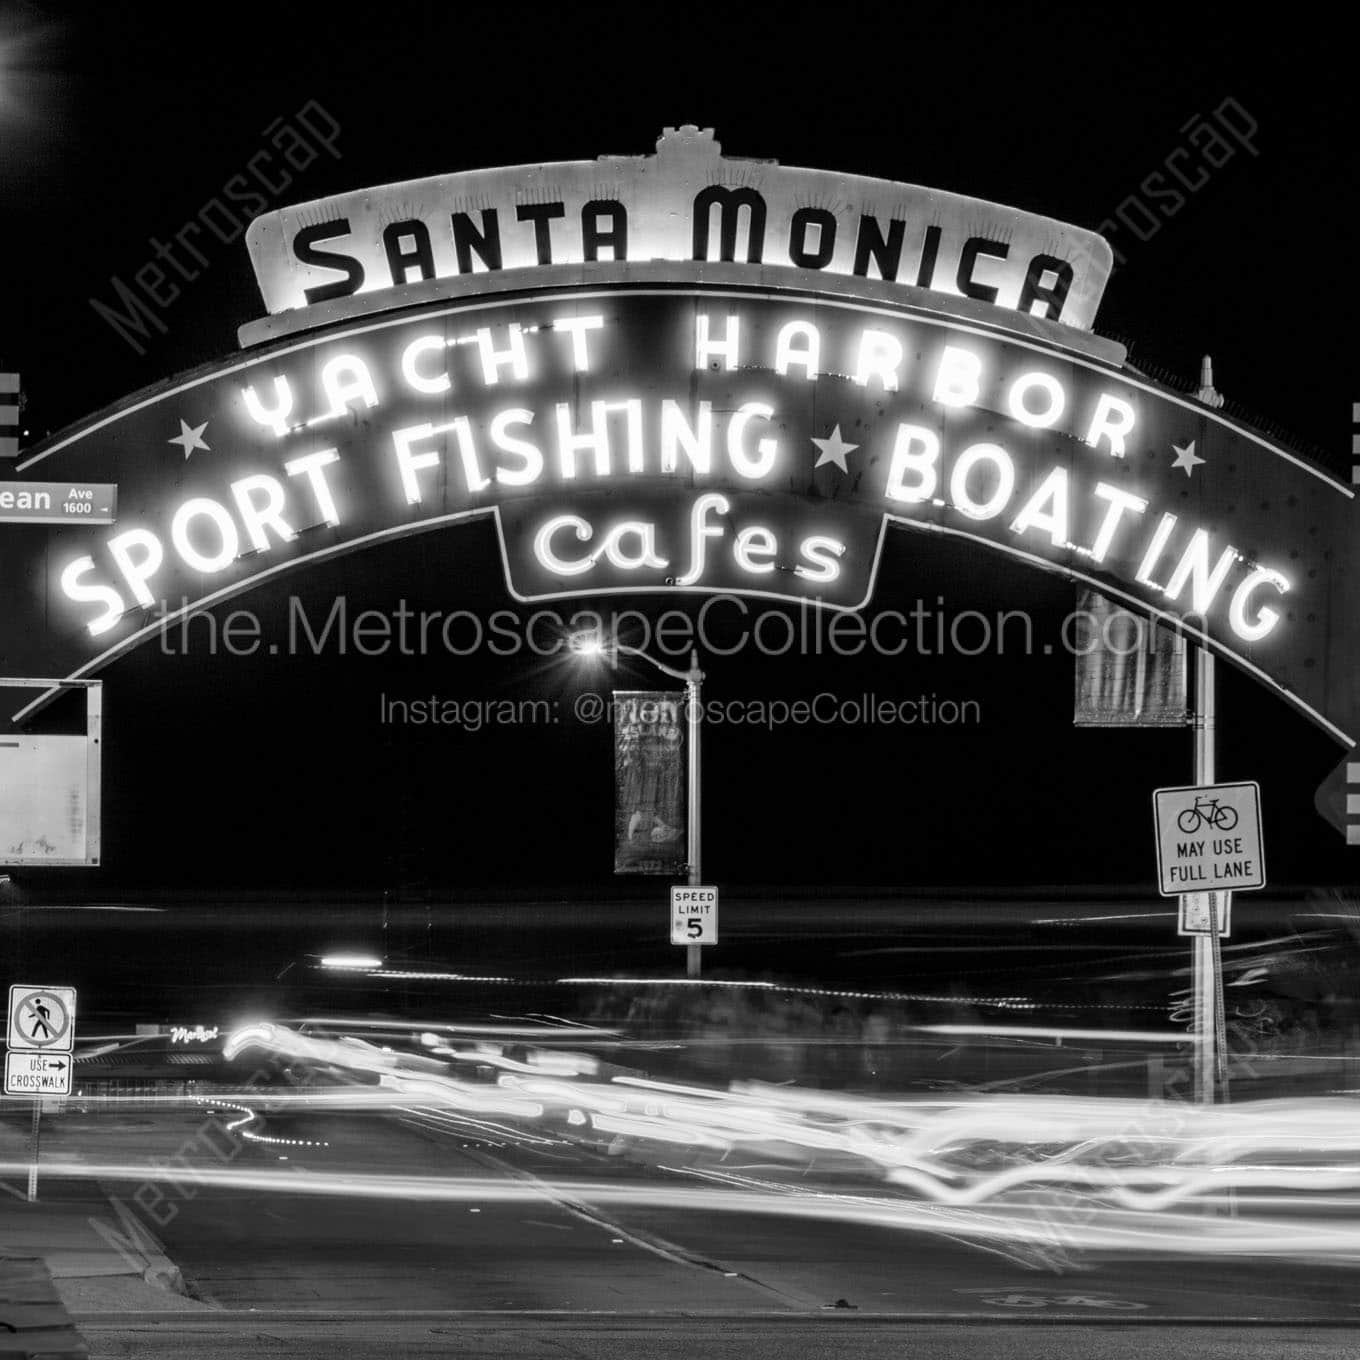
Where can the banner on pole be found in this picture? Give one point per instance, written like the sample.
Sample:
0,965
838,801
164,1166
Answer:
649,782
1130,670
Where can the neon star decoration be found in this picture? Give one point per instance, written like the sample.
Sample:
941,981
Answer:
1186,458
833,450
190,439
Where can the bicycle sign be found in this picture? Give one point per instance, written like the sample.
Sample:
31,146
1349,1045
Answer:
1209,838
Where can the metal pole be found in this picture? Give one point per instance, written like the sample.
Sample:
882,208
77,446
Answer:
694,700
1207,955
33,1152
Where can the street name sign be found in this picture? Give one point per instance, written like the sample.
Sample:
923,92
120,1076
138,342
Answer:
37,1074
1209,837
58,503
694,915
41,1019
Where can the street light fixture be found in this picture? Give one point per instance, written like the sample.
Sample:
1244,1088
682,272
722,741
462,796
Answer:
591,643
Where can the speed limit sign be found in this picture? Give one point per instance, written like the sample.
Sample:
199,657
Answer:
694,915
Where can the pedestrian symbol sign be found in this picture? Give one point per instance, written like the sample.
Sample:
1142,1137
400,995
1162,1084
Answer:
41,1019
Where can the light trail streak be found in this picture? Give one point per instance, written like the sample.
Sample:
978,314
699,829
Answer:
1080,1171
1147,1036
1190,1233
248,1116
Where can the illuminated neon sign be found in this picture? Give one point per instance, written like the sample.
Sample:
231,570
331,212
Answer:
685,203
633,440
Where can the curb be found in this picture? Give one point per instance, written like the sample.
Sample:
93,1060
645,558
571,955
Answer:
34,1322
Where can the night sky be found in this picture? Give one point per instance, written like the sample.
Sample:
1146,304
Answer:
117,123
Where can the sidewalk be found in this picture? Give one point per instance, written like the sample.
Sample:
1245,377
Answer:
99,1261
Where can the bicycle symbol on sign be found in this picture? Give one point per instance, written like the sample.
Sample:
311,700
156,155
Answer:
1206,812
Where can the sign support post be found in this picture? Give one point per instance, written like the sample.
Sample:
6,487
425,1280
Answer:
694,682
33,1151
40,1031
1207,970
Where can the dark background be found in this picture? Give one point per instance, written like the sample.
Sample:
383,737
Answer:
117,123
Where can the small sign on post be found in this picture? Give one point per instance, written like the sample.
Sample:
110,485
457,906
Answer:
41,1019
37,1074
1194,917
694,915
1209,837
40,1031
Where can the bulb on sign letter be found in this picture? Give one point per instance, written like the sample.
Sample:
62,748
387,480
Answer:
916,452
805,355
1054,400
677,433
1046,509
767,449
345,379
1194,568
514,357
310,466
707,350
409,462
433,384
1120,501
228,540
576,327
274,417
1113,420
1253,630
139,554
260,501
700,531
961,494
957,381
823,554
530,454
880,356
543,545
82,594
755,550
645,554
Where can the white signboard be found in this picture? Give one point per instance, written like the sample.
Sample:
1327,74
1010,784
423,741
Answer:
694,915
49,800
38,1074
1194,913
685,203
1209,837
41,1019
58,503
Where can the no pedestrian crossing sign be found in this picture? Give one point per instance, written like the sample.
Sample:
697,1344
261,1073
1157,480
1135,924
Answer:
41,1019
40,1030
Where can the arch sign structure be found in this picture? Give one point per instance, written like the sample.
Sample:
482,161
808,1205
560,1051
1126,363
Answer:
683,372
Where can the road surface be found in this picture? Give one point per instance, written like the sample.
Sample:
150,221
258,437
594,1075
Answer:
340,1337
549,1250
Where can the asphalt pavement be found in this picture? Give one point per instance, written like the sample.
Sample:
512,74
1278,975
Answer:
546,1250
229,1336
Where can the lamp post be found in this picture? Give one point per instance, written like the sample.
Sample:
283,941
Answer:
591,644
